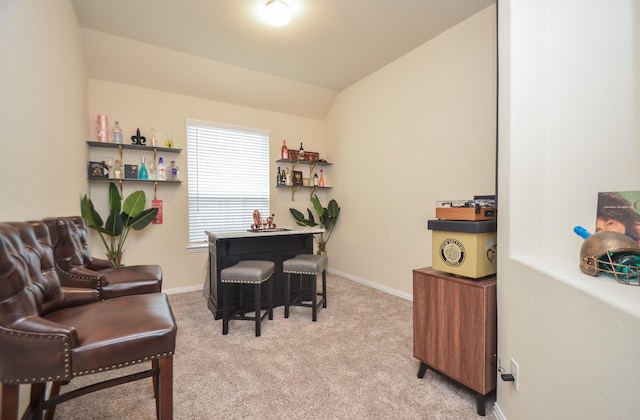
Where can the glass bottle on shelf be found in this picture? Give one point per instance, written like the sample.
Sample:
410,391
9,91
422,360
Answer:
117,170
288,177
143,174
278,177
321,180
301,153
161,170
173,172
315,180
117,133
284,152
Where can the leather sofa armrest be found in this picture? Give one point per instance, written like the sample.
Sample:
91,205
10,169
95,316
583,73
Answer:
82,277
98,264
76,296
36,350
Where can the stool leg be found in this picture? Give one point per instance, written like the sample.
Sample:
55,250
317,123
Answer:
324,288
225,309
270,297
287,295
314,297
258,310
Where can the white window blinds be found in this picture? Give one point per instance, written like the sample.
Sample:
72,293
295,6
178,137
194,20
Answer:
228,177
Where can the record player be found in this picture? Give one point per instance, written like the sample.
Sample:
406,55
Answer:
480,208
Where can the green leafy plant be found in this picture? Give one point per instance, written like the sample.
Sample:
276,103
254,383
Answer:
122,218
327,218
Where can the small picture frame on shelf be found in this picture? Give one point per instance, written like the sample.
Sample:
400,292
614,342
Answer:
131,171
311,156
292,154
98,170
296,178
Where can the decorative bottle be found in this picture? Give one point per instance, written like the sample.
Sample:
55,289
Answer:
174,172
117,133
143,174
278,177
117,170
315,180
284,151
321,180
102,123
288,177
301,153
161,171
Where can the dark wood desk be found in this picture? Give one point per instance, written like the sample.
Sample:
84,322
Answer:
228,249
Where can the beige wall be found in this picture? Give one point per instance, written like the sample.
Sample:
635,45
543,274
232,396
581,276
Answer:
568,129
43,85
421,129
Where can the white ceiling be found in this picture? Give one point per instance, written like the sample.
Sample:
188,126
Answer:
329,44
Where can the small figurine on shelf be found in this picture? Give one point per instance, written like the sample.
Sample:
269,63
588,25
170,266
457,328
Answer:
138,139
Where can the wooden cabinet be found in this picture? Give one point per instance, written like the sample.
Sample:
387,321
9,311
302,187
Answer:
454,329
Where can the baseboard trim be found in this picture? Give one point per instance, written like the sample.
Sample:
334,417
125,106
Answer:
498,412
185,289
386,289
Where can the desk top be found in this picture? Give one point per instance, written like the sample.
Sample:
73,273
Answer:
276,232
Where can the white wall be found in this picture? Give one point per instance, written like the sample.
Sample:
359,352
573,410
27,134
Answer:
568,129
142,108
421,129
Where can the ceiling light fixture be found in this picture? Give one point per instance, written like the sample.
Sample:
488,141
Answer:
277,12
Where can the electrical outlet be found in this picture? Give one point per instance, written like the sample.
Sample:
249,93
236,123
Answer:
515,371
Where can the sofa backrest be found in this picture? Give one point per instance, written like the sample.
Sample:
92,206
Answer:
69,239
29,283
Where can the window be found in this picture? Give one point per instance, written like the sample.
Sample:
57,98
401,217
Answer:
228,177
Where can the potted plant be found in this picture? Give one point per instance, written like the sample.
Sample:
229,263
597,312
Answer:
122,218
327,217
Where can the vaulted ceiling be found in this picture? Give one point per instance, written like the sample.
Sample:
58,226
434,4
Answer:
221,50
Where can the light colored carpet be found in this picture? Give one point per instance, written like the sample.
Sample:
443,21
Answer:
355,362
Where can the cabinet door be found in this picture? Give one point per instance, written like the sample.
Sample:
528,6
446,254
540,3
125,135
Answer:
450,328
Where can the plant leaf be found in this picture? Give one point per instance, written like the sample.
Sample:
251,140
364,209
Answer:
134,203
89,213
115,201
143,219
114,225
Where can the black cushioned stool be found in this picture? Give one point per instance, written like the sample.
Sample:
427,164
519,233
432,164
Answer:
306,265
251,272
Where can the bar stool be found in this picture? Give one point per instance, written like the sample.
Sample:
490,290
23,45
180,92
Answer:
248,272
306,265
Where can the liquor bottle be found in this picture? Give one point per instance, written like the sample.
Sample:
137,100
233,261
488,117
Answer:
278,177
301,153
143,174
283,178
284,151
174,172
117,170
117,133
161,171
288,177
321,180
315,180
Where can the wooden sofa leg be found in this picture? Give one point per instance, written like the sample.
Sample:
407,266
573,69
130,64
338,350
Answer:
164,398
10,400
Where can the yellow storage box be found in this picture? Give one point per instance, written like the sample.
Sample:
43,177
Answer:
464,248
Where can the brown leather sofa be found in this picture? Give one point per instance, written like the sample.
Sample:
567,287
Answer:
50,333
77,268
